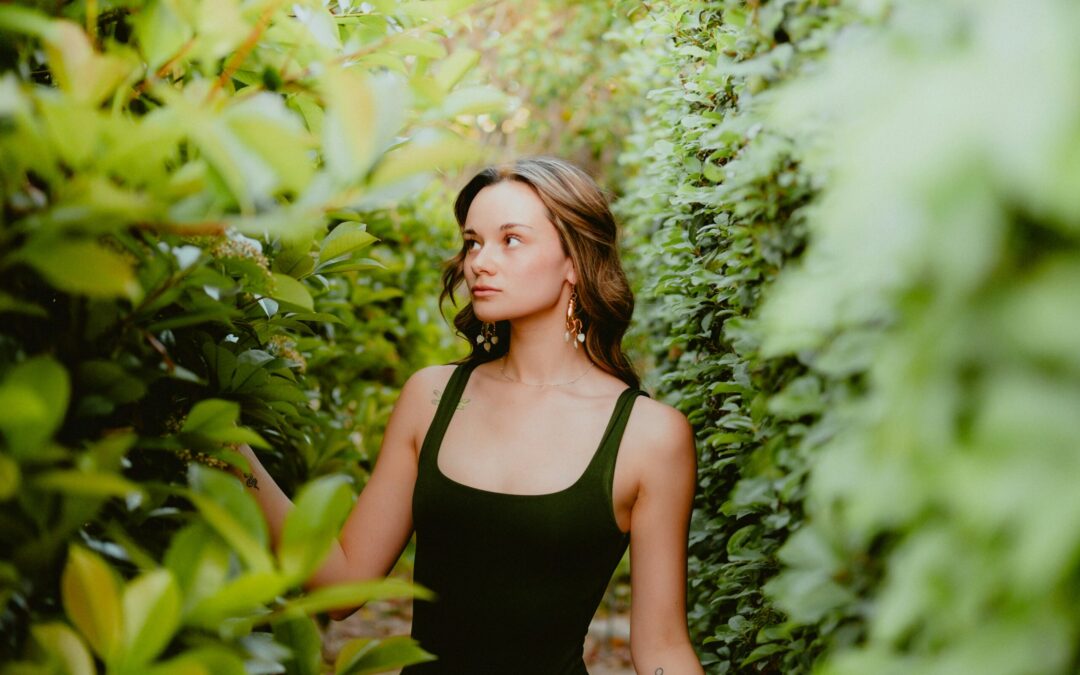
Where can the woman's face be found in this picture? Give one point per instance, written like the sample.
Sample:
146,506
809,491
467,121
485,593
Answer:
512,248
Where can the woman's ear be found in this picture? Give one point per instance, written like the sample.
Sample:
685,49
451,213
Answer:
571,273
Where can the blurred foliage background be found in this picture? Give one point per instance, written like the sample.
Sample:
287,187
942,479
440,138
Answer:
850,224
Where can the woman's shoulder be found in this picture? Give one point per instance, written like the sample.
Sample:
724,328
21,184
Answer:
659,429
425,383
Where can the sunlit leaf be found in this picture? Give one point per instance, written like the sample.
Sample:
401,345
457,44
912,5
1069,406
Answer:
312,526
368,655
64,646
91,594
152,607
82,267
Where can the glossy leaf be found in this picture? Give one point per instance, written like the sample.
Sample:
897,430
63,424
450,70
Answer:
152,606
367,655
64,648
84,268
233,514
91,594
33,400
301,635
312,526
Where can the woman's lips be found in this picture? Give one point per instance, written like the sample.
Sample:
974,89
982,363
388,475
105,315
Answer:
484,292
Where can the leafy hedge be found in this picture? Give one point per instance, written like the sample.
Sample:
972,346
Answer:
714,206
192,196
859,222
937,303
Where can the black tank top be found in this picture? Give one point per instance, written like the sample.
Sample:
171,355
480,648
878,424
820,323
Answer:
518,577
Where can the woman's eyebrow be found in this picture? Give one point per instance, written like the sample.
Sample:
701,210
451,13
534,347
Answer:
504,226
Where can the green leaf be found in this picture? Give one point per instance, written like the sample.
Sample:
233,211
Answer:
312,526
211,415
295,262
301,635
348,125
201,661
83,267
407,45
64,647
199,560
91,595
160,32
367,655
472,101
215,419
10,477
151,616
241,596
13,305
33,402
351,265
88,77
233,514
350,595
292,291
427,151
451,69
346,238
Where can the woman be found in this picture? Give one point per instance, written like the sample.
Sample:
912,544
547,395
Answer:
505,462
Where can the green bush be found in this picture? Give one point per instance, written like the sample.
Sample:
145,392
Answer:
713,201
197,252
936,301
859,220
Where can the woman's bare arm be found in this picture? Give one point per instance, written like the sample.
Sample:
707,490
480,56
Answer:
380,523
659,524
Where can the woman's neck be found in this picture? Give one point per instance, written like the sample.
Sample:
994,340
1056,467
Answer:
539,354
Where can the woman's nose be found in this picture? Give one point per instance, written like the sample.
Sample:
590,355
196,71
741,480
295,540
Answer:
480,261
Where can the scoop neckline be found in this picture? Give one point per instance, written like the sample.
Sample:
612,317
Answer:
588,467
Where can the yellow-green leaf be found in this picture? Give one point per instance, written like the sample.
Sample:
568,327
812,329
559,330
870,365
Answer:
427,151
348,124
151,616
64,647
345,238
292,291
451,69
83,267
366,655
472,101
312,526
239,597
354,594
33,401
9,477
91,595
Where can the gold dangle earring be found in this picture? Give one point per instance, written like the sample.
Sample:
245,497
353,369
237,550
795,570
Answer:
487,336
573,323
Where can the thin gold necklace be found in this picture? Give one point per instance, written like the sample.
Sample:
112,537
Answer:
502,371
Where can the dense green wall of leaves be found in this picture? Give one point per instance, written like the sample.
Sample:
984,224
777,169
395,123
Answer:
713,203
857,222
195,252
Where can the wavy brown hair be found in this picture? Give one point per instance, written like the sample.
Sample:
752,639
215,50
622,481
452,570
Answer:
589,236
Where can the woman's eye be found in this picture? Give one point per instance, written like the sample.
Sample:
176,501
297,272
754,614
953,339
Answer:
514,237
469,244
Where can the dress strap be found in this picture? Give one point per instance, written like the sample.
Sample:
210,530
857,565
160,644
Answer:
609,448
448,402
